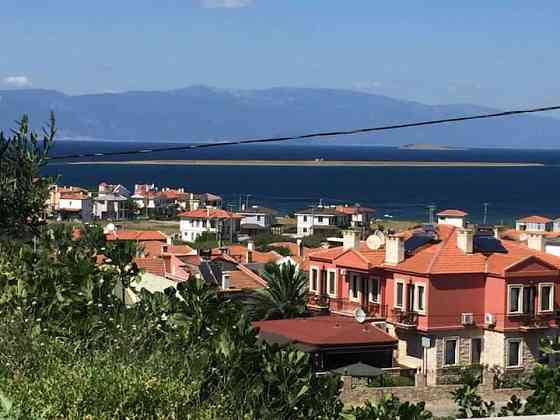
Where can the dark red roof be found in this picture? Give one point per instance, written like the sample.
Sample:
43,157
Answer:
209,214
326,331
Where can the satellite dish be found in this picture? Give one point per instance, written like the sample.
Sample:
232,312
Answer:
373,242
523,237
109,228
380,235
359,315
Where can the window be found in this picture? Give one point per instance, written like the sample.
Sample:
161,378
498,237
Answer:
546,297
354,287
529,300
374,290
450,356
320,219
514,352
304,230
399,294
259,218
314,279
515,299
420,298
332,283
305,218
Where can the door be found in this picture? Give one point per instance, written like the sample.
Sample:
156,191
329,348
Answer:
323,289
476,350
529,300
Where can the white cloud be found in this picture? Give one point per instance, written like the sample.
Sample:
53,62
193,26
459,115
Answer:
17,81
226,4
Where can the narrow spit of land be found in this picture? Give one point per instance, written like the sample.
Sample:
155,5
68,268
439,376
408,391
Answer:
328,163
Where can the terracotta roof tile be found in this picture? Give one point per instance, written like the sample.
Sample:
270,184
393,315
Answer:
155,266
535,219
209,214
326,330
452,213
136,235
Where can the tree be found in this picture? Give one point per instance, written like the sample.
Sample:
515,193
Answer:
284,296
120,256
391,407
23,191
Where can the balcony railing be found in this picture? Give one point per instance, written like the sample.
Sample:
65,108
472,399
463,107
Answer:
405,319
318,301
536,321
346,306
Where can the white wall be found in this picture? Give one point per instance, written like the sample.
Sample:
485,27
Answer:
452,221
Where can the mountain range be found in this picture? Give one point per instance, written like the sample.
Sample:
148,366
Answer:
201,113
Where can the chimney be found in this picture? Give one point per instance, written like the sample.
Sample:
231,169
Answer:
250,249
498,229
169,240
536,241
394,250
299,244
465,239
351,239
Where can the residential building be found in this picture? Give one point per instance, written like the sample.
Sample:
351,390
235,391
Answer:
111,202
149,200
451,295
324,219
74,205
256,219
359,216
223,224
332,341
534,224
452,217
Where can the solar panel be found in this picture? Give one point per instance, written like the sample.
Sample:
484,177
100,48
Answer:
416,241
488,244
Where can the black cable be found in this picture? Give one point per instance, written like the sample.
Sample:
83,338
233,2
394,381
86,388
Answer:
308,136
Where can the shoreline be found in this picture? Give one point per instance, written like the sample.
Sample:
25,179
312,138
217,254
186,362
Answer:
313,163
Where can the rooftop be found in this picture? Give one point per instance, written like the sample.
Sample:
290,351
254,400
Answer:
209,214
535,219
325,331
452,213
136,235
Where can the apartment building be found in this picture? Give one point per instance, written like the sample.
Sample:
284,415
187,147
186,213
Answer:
451,294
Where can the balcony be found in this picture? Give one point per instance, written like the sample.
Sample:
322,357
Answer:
405,319
532,322
374,311
318,302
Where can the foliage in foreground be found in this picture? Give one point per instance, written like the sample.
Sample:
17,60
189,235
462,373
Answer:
391,408
70,349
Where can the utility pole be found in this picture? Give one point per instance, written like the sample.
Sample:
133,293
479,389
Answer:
247,201
239,208
485,218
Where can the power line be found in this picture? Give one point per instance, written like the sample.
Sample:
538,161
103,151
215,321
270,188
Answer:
309,135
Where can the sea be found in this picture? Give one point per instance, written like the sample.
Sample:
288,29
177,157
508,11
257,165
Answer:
399,193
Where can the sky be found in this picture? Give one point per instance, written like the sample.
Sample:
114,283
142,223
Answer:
494,53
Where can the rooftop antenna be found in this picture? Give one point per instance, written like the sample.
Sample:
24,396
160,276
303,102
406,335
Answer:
484,219
431,210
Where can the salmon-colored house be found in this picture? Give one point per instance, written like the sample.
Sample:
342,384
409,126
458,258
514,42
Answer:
452,294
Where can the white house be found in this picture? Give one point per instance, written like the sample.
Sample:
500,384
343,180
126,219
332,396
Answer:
217,221
148,199
75,205
452,217
534,224
256,218
110,202
320,218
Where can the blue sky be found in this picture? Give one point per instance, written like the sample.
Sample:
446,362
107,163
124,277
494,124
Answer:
496,53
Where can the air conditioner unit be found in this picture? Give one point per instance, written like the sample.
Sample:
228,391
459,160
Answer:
467,319
489,319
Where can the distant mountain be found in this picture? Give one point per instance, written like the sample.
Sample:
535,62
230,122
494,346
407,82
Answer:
200,113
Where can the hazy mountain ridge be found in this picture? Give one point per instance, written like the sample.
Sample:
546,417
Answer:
199,113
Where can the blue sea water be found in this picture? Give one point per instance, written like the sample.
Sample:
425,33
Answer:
403,192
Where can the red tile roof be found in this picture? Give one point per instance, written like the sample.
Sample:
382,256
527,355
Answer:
155,266
445,257
157,248
292,247
452,213
73,196
326,331
136,235
353,209
209,214
239,253
535,219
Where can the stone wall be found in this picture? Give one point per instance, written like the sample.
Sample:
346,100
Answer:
428,394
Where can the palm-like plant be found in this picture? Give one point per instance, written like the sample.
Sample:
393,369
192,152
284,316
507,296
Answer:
284,296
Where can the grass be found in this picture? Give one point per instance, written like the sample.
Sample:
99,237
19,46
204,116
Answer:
167,227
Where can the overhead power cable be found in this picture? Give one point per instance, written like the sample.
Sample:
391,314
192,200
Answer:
307,136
